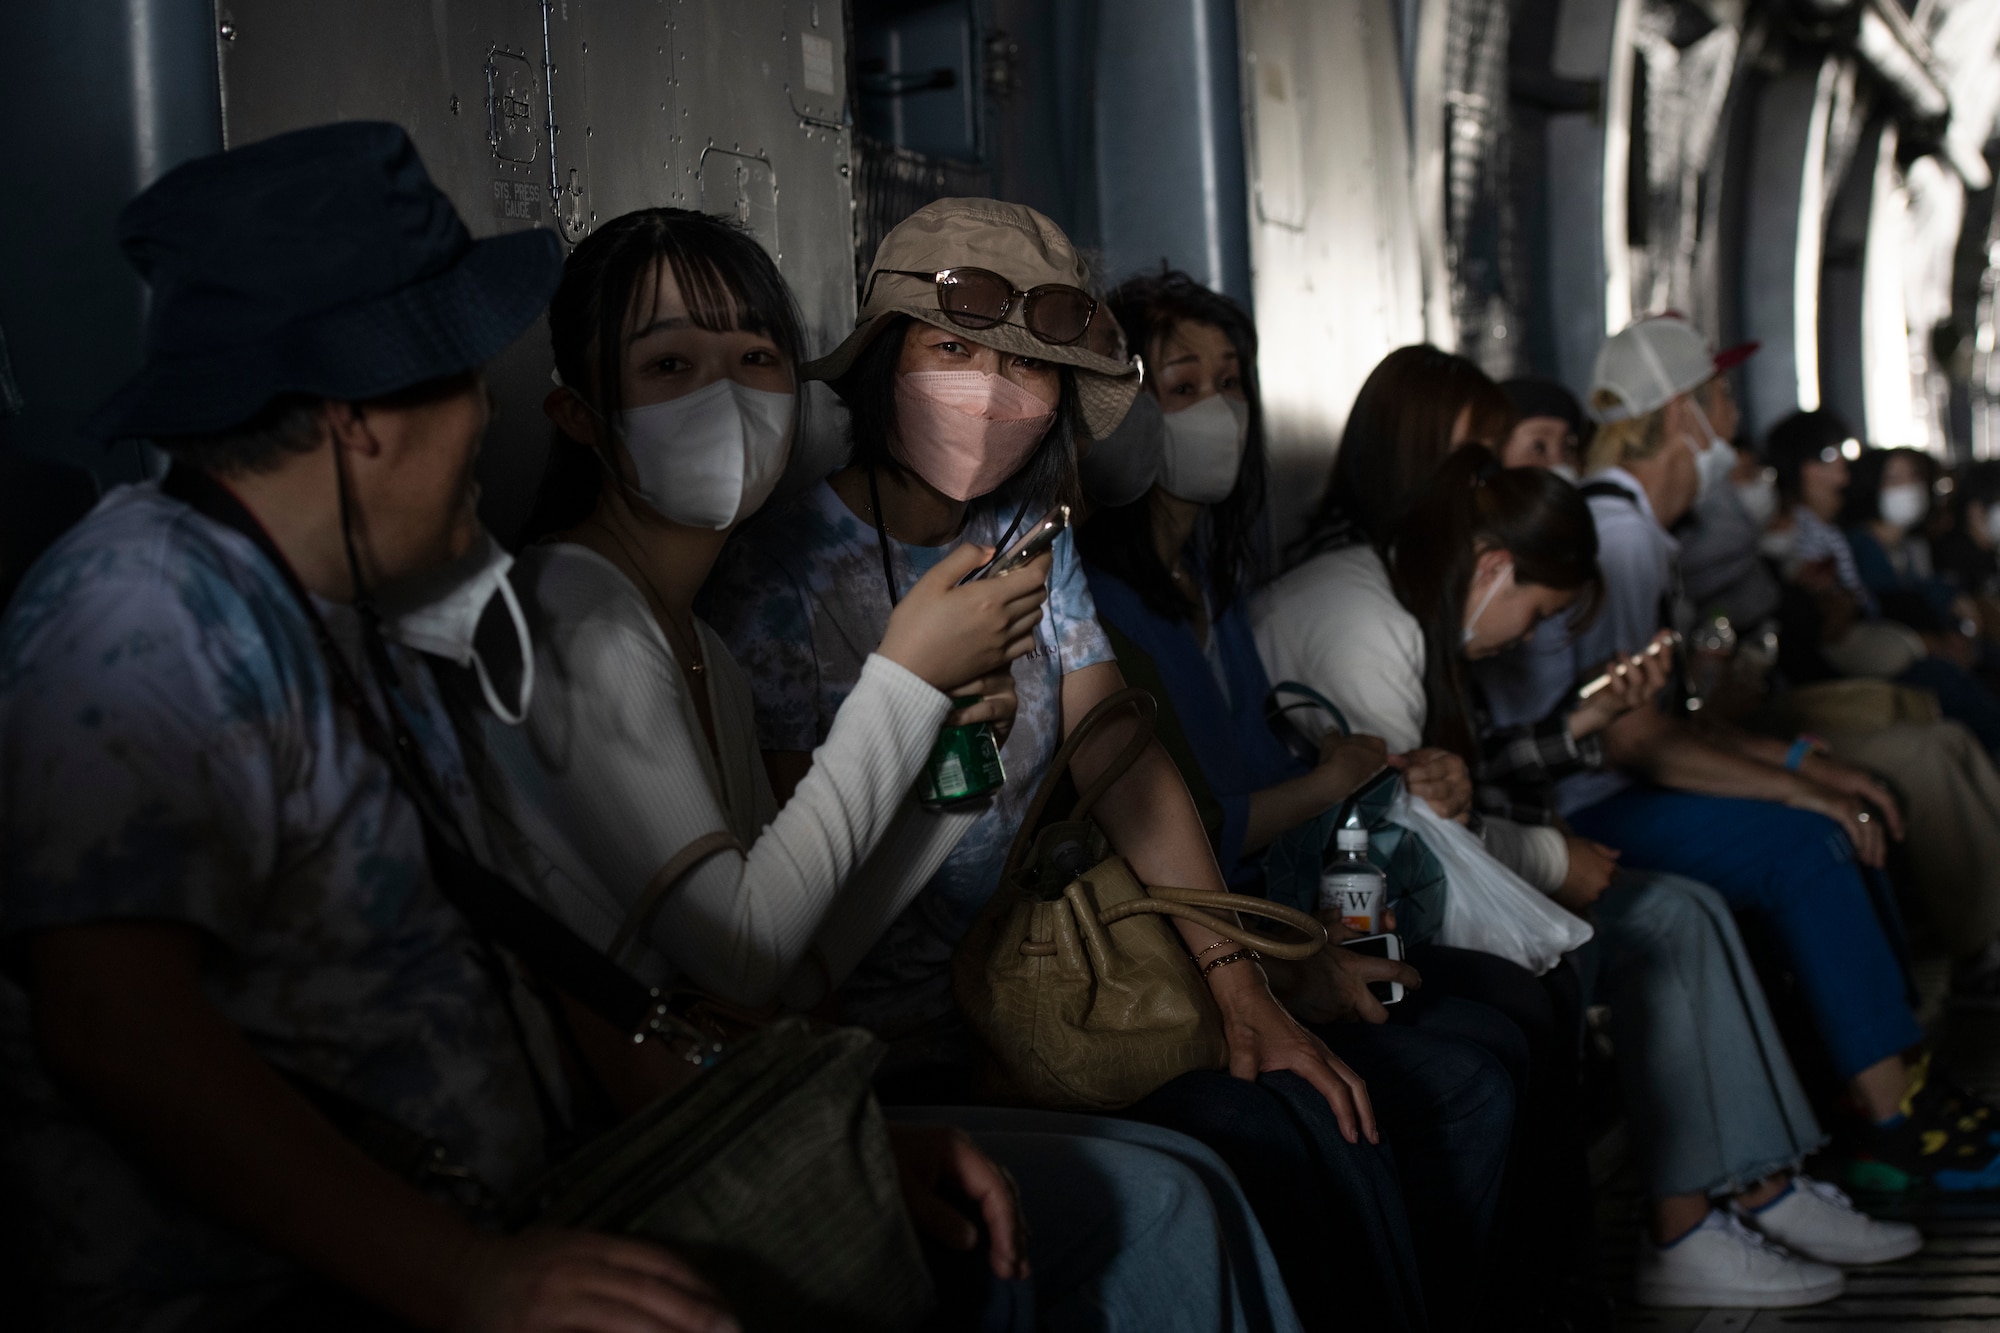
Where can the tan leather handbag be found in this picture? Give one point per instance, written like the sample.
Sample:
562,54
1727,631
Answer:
1079,985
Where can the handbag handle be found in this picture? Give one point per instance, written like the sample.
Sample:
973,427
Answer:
1147,708
1188,904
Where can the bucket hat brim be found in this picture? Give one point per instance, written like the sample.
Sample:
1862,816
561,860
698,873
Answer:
447,324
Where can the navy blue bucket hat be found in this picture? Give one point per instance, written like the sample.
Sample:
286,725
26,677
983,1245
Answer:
320,262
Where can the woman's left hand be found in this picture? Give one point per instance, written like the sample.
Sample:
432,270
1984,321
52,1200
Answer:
1263,1038
1438,777
1854,782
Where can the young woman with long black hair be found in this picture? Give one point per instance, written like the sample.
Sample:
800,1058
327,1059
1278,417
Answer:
1171,573
635,795
1481,557
964,416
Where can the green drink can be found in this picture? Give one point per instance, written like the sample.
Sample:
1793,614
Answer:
964,764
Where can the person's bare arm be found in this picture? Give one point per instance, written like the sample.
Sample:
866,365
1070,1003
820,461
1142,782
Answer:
1151,819
120,1016
1345,763
1666,750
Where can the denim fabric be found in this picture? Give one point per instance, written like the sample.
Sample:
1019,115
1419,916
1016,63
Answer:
1795,872
1158,1235
1368,1236
1545,1242
1333,1210
1446,1109
1714,1103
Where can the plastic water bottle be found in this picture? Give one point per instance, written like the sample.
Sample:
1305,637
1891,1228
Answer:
1350,884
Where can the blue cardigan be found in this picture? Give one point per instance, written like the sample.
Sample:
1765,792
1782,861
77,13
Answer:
1230,739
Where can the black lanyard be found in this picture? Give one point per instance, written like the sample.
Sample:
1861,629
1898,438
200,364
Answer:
496,910
882,538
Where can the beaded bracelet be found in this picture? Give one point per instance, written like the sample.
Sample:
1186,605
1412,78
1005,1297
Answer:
1217,945
1228,958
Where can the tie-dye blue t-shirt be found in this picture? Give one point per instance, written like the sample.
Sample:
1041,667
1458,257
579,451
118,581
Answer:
801,599
170,751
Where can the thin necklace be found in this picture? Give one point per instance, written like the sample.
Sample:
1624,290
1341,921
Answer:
693,646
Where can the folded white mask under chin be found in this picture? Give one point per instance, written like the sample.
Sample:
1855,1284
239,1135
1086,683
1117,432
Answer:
1204,449
442,611
710,458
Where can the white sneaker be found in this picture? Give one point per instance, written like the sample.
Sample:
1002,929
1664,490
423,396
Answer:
1816,1220
1724,1263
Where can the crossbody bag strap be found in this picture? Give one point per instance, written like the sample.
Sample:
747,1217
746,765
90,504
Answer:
1132,697
672,873
492,906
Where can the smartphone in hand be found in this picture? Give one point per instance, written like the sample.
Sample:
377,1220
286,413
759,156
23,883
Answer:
1039,539
1381,946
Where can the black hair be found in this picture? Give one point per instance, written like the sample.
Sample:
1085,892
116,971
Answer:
1120,539
1469,505
868,389
289,424
1397,434
1863,504
1544,398
1800,439
728,282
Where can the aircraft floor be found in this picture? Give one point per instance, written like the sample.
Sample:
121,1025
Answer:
1952,1286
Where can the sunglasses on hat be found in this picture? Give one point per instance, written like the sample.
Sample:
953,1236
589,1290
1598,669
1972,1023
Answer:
977,298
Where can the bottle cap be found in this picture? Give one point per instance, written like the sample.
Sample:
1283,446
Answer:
1351,839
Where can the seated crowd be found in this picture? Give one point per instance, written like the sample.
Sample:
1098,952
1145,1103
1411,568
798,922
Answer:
403,932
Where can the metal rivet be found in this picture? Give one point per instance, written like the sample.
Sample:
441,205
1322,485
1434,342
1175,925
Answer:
228,31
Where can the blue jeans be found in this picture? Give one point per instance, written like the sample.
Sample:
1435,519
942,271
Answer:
1795,873
1367,1236
1131,1227
1445,1107
1715,1105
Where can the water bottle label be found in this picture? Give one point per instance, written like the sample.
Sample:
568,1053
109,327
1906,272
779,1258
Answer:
1359,905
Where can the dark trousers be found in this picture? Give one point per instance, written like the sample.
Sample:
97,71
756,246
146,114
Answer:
1545,1247
1367,1236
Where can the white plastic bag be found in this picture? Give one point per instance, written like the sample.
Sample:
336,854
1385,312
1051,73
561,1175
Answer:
1488,907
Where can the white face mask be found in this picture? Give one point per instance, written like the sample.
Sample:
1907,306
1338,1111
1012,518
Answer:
442,610
1712,463
1204,449
1504,579
1904,506
1760,497
1567,473
708,459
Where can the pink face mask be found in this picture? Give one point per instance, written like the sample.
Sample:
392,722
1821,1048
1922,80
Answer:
966,431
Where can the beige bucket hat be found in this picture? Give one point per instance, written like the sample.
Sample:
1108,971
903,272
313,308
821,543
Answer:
1022,246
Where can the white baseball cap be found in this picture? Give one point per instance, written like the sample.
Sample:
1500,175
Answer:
1654,360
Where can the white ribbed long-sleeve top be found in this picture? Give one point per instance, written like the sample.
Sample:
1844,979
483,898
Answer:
1334,623
611,776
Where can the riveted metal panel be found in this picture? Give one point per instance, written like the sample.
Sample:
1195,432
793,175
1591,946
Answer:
1335,267
566,113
